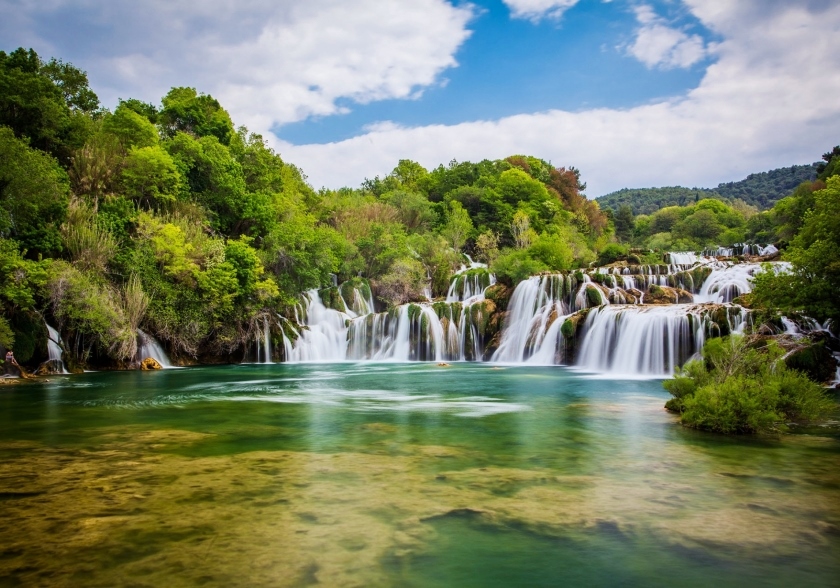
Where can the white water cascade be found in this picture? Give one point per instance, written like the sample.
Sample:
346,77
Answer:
621,334
690,300
325,335
263,341
54,350
641,340
439,331
148,346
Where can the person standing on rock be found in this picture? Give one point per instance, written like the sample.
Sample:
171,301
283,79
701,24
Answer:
11,363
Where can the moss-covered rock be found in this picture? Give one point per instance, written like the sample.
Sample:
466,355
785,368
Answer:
814,359
331,298
49,368
595,296
480,315
500,294
666,295
349,290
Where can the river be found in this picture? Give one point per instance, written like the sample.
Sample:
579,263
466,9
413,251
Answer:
394,474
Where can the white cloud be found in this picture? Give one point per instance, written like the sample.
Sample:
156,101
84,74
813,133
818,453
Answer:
269,62
659,45
535,10
768,101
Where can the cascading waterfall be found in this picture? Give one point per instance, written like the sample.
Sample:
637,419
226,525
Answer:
618,334
148,346
325,335
536,309
621,334
439,331
643,340
742,249
54,350
728,281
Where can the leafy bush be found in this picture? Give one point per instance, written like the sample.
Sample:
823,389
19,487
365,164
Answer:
743,389
515,265
612,253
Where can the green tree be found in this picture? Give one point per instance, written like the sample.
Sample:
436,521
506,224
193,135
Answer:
49,103
151,177
739,388
812,285
458,226
624,223
34,193
131,128
201,115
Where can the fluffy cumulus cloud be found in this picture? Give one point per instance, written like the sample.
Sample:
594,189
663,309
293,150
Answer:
535,10
269,62
657,44
768,100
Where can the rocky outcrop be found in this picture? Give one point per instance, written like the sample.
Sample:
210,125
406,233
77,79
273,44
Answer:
500,294
667,295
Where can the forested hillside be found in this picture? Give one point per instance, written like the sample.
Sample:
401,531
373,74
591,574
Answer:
761,190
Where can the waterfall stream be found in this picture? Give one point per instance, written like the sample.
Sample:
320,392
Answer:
54,350
148,346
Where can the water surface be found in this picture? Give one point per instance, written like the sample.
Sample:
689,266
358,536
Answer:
399,475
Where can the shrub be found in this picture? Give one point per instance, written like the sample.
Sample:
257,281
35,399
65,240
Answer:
742,389
612,253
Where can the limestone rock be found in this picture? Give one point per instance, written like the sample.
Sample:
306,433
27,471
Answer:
150,363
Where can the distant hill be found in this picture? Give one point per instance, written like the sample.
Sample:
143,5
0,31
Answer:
761,190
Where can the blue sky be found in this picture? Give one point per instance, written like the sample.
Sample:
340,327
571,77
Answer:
634,93
509,66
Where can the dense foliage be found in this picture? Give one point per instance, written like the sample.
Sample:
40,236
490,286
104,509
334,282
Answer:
761,190
811,286
742,388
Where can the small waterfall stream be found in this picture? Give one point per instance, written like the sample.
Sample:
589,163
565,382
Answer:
54,350
148,346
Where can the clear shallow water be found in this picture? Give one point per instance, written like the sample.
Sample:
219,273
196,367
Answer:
399,475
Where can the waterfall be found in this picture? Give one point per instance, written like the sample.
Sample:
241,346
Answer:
620,333
148,346
264,346
643,340
438,331
469,286
728,281
54,350
536,305
741,249
325,335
